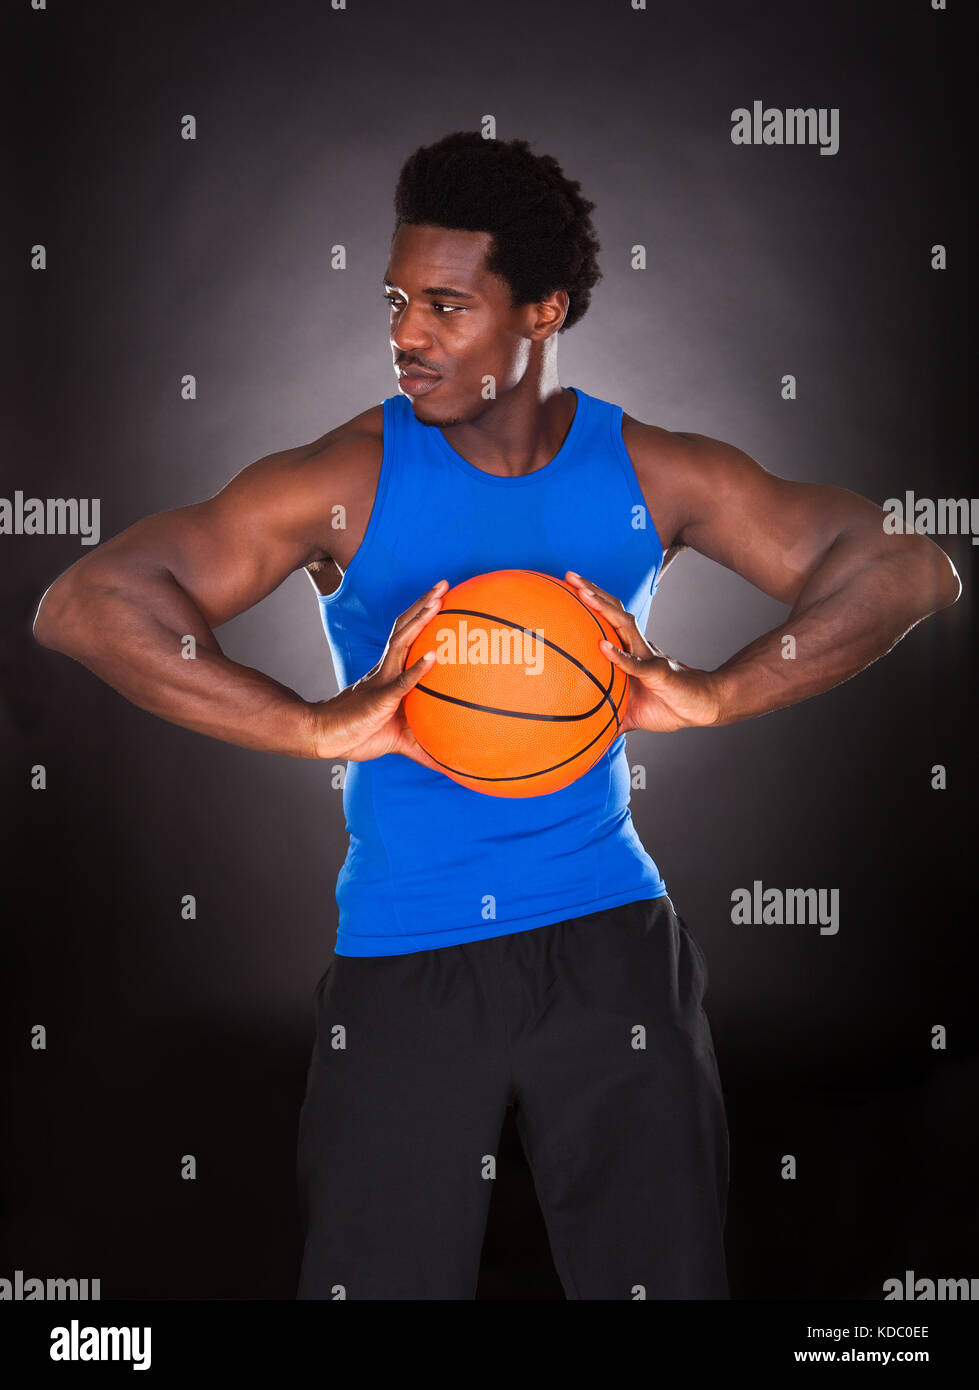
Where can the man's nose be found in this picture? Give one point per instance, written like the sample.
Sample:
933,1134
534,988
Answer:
408,333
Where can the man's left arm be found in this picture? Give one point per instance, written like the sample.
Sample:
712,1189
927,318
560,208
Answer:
863,595
854,590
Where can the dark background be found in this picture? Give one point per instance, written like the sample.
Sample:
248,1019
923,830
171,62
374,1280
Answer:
211,257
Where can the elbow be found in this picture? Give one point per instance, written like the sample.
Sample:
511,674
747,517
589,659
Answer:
948,585
955,585
935,582
53,621
43,625
954,591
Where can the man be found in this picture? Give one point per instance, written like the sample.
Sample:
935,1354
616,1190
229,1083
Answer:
493,949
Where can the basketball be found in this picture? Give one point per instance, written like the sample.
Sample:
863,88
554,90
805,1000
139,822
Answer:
520,699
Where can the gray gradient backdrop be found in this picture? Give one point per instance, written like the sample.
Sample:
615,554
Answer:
212,258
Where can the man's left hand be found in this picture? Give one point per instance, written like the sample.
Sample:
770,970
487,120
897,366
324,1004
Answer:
664,694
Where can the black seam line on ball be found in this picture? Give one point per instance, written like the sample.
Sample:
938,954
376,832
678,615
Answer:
522,776
495,618
511,713
563,584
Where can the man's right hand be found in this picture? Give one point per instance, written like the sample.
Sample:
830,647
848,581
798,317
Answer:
367,719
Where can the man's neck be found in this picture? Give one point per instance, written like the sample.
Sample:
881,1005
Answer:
517,433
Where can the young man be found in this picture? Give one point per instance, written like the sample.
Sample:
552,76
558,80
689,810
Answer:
578,995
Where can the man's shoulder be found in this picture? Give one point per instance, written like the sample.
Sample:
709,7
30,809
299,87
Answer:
649,443
665,462
343,467
345,461
703,458
362,435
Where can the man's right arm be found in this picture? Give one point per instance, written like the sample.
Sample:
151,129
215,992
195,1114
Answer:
125,609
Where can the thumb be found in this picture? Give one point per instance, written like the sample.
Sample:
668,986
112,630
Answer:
410,676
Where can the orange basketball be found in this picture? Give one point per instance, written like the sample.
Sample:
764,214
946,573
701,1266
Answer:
520,699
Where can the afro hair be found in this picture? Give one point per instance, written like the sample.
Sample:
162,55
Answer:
543,238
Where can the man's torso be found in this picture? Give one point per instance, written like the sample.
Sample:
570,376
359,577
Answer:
352,474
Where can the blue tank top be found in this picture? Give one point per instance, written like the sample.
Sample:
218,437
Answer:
431,863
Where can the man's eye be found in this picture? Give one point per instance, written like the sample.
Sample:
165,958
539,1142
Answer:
395,302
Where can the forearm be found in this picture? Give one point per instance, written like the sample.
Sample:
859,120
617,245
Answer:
854,609
132,633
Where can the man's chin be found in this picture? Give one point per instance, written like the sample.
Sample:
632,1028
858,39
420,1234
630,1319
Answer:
441,423
429,414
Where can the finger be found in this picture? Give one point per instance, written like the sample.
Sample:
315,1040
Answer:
430,598
402,638
619,618
412,674
587,586
632,665
394,689
600,598
653,671
426,604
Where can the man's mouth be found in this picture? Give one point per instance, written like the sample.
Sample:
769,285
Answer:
417,381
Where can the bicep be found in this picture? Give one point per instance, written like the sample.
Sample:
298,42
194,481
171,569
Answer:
229,552
771,531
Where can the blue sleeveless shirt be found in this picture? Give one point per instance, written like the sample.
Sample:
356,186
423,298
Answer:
431,863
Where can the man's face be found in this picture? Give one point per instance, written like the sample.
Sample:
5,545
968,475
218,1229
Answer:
451,318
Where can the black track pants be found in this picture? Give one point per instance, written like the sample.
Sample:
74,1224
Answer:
596,1025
